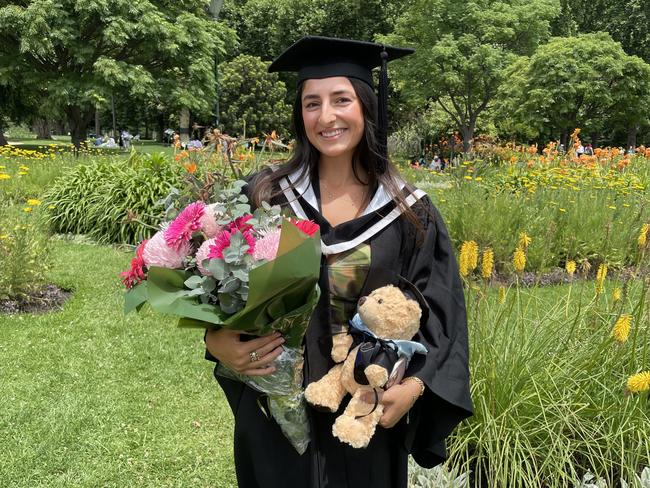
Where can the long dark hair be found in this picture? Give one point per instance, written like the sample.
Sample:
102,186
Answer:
366,157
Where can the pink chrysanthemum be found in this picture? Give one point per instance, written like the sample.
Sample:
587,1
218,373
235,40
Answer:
267,246
222,241
209,223
240,224
306,226
187,222
158,253
202,254
135,274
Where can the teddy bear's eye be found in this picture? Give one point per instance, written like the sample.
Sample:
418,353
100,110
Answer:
381,300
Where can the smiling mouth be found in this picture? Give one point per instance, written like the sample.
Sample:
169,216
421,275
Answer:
331,134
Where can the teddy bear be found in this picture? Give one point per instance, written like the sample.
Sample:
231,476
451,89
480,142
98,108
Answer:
386,321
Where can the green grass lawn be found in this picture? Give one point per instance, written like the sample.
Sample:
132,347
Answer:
92,398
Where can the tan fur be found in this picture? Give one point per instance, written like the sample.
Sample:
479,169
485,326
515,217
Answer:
340,346
390,315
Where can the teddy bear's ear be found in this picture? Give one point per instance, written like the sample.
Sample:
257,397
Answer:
414,307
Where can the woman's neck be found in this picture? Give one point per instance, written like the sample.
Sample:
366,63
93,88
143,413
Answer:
337,172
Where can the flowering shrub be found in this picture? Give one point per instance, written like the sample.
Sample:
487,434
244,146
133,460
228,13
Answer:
24,249
574,208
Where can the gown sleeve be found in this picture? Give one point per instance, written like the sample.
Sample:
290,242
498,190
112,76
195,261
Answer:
446,401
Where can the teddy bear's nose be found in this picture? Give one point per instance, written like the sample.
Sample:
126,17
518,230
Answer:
362,300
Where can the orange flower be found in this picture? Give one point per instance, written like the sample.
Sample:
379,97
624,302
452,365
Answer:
190,167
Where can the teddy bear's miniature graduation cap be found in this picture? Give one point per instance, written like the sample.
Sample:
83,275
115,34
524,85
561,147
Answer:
323,57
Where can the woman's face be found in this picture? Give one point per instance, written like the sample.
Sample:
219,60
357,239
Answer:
332,115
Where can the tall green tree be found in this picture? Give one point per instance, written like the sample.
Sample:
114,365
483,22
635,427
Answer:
80,52
627,21
267,27
585,81
252,99
462,50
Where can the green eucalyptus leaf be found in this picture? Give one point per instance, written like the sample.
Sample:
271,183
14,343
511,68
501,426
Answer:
193,282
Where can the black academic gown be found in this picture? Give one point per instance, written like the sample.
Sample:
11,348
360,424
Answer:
399,255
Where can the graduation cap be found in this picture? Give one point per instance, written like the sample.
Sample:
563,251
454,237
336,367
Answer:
323,57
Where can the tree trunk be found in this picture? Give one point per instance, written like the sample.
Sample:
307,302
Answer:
98,126
564,138
160,120
78,119
595,138
631,136
185,125
467,132
42,128
3,139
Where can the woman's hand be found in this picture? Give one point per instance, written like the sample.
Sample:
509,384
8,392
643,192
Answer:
397,400
226,345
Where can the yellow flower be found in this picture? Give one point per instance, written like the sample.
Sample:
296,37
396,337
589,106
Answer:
4,176
643,235
621,330
570,267
33,202
502,294
487,263
22,173
468,177
468,257
601,274
519,260
524,240
616,294
4,236
27,209
639,382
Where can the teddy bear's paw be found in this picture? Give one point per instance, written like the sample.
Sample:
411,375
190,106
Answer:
352,432
325,396
377,375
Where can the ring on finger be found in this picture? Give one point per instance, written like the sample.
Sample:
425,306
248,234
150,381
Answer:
254,356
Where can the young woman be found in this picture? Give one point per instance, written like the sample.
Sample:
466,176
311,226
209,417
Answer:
375,230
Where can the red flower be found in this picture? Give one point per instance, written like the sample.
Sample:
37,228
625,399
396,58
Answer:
135,274
222,241
240,224
306,226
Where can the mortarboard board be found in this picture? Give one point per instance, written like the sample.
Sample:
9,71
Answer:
322,57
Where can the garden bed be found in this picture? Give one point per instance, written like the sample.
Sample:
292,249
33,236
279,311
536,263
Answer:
45,299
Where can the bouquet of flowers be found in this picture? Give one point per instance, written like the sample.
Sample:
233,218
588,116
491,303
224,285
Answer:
219,265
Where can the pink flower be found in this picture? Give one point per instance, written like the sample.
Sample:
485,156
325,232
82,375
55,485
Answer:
222,241
183,226
306,226
158,253
267,246
202,254
209,223
240,224
135,274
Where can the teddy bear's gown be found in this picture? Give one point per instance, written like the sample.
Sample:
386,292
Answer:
361,255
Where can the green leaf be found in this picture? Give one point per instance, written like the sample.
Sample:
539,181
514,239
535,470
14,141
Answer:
194,282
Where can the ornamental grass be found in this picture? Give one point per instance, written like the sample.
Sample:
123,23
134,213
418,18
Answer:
558,393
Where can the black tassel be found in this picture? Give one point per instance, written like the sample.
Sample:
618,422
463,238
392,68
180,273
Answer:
382,118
